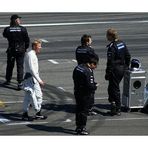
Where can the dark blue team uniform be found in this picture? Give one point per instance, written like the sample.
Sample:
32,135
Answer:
84,89
118,59
84,54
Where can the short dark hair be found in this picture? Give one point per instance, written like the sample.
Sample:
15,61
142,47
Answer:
85,38
13,19
94,59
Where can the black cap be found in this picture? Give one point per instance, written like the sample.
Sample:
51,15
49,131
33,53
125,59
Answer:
14,17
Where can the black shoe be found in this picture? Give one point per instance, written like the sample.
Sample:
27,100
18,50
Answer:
19,86
118,112
6,83
81,131
84,132
25,117
78,130
39,116
113,109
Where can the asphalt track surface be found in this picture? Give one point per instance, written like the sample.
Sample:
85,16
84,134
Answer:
61,34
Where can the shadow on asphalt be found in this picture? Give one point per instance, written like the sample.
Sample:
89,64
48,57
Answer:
103,106
57,104
70,108
11,86
99,107
12,116
54,129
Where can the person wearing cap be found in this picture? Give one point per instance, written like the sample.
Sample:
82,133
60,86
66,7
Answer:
32,82
84,90
18,42
83,53
118,60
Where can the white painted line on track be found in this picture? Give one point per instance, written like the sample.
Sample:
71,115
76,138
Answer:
74,60
3,119
44,41
61,88
80,23
125,119
69,99
121,119
14,102
26,123
62,61
53,61
68,120
101,98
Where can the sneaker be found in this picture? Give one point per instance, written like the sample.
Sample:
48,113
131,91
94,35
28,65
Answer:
6,83
84,132
81,131
25,117
39,116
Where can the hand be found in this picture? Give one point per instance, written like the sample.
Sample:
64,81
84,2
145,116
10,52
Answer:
42,83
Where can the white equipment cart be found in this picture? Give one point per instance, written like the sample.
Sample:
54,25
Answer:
133,89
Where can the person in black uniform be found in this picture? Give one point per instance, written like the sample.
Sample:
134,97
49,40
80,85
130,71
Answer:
118,60
84,89
83,53
18,42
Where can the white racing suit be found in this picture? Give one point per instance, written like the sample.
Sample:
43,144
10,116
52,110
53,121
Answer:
33,95
31,86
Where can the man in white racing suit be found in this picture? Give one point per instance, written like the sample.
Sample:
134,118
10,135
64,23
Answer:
32,83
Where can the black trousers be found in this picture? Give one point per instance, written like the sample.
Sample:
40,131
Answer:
114,85
11,58
92,101
82,109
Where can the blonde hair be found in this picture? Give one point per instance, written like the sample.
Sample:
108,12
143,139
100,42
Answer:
113,33
35,42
